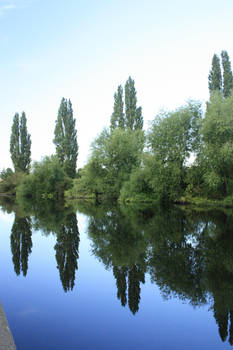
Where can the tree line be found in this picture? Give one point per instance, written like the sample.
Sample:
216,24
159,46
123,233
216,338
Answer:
185,154
51,176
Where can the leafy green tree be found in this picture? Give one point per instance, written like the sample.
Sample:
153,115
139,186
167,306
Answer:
47,180
227,74
20,144
6,173
65,138
114,155
133,115
117,118
138,119
216,155
173,137
215,75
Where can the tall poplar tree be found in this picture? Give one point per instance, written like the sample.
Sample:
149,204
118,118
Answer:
133,115
138,119
130,103
117,118
65,138
215,75
20,144
227,74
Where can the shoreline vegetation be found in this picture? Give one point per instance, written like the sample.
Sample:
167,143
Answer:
184,158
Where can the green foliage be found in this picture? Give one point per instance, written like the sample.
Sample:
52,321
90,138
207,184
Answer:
174,135
114,156
139,187
172,138
47,178
217,133
88,184
6,173
117,118
227,74
215,75
20,144
133,115
10,181
194,180
65,138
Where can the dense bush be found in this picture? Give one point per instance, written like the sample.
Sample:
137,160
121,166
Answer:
47,180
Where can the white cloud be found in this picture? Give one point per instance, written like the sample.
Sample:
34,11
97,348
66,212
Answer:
6,7
9,5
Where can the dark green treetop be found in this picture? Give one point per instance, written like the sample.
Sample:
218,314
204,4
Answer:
138,118
117,118
20,144
65,138
227,74
130,103
131,118
215,75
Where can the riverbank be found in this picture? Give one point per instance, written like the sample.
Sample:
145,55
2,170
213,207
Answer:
198,202
6,338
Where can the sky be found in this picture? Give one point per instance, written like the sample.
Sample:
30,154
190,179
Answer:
83,50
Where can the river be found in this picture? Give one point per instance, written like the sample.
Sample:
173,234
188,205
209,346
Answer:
117,277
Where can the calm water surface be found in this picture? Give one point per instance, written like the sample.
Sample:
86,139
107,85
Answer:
117,278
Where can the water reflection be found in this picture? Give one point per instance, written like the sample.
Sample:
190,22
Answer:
187,254
67,251
48,217
21,243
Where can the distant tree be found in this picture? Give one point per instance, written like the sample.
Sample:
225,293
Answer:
138,119
129,117
227,74
65,138
117,118
217,135
215,75
133,115
20,144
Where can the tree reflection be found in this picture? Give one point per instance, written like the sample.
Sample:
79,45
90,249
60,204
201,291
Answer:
21,243
188,254
49,217
67,251
119,243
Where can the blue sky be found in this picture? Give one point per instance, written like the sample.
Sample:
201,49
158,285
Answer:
83,50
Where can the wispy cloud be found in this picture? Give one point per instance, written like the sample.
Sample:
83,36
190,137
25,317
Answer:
28,311
9,5
5,7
